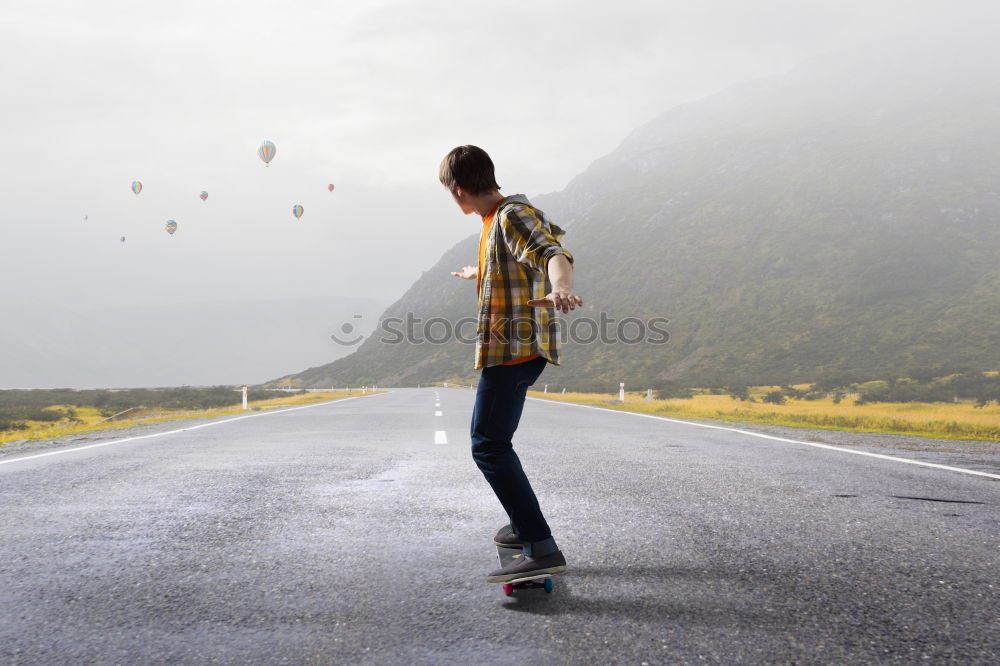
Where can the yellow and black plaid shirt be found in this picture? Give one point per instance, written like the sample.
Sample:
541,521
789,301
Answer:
519,243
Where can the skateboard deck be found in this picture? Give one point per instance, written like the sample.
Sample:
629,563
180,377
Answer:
506,556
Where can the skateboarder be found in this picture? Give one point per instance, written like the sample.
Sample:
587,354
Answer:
516,337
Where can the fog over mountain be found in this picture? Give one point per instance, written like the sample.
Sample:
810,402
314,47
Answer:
844,217
197,344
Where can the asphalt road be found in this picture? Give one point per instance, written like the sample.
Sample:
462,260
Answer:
350,532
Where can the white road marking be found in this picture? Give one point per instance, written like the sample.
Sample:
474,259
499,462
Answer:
171,432
437,413
440,437
782,439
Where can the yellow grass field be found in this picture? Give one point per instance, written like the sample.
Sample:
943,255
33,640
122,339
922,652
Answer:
91,418
936,420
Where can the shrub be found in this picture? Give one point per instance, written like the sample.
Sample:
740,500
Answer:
775,398
738,392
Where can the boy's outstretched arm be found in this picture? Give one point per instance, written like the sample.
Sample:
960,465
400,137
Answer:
560,272
467,272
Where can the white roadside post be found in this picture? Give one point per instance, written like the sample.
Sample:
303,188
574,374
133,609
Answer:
546,389
244,397
649,395
621,391
564,390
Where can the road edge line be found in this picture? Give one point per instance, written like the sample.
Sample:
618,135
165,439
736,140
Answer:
779,439
172,432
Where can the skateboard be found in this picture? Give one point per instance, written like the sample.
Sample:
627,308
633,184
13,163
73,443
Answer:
506,556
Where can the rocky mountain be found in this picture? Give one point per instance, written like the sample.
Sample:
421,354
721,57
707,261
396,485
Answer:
844,217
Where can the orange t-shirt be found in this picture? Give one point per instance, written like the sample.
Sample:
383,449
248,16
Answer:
487,221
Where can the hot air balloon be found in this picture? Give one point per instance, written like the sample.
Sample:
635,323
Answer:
171,227
123,239
136,187
266,152
203,195
297,210
85,218
330,187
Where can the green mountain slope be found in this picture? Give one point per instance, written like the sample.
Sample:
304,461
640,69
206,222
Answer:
843,217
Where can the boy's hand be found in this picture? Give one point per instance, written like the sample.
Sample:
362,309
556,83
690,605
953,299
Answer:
467,272
560,300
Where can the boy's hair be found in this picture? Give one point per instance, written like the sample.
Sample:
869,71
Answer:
470,168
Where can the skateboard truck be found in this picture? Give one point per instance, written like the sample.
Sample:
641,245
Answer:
506,556
544,582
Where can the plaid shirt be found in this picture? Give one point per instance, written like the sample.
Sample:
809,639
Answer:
519,243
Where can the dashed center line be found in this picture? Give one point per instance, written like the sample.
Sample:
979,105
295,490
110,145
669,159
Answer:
440,437
437,413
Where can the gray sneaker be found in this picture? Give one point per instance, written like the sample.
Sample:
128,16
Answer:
506,537
525,567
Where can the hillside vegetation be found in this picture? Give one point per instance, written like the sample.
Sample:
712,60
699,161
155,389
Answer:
842,219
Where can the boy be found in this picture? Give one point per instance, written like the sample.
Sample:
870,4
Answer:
518,246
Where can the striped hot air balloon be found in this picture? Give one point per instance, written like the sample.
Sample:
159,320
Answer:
265,151
136,187
203,195
171,227
297,210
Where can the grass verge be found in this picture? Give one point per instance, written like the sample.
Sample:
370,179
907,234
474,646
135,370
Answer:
89,419
935,420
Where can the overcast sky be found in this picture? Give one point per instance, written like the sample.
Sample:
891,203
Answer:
366,95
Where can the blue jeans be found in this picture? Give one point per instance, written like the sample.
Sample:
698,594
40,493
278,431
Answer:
499,402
